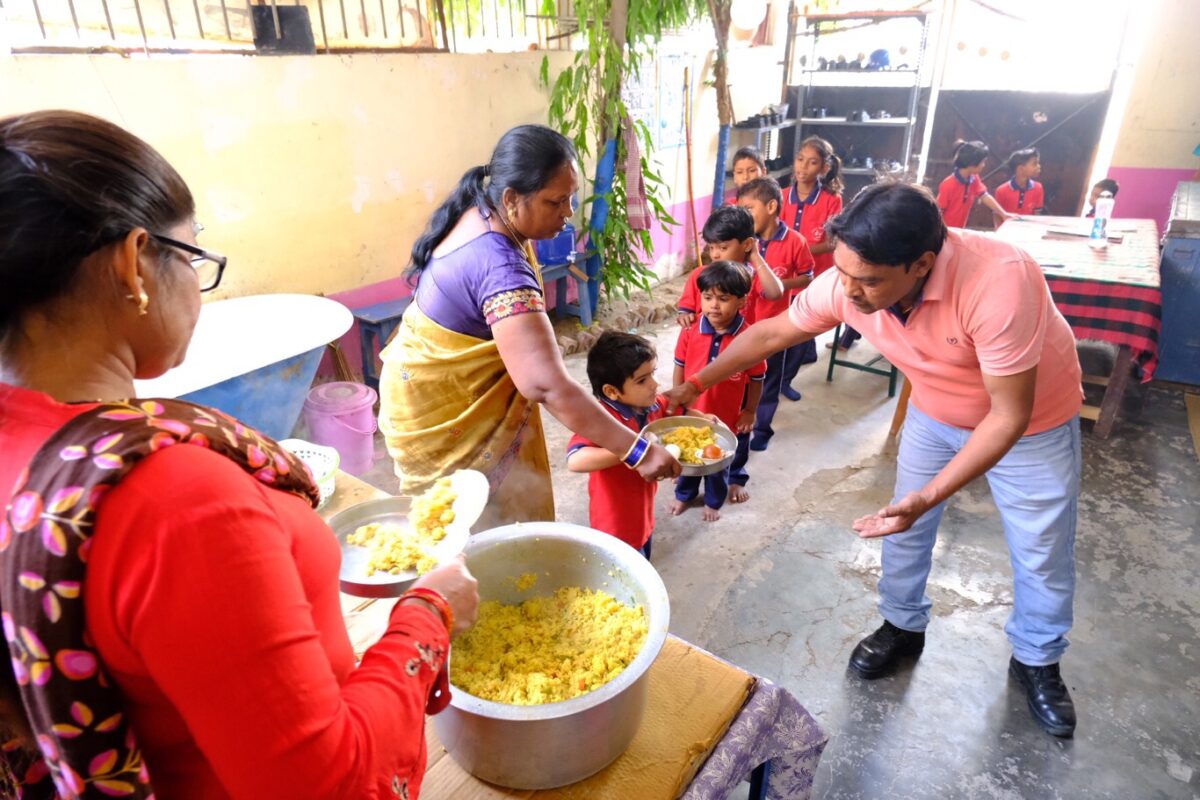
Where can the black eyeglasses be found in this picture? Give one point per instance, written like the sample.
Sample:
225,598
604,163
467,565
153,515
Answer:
209,266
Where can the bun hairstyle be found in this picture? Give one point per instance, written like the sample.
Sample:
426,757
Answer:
525,160
832,180
969,154
70,184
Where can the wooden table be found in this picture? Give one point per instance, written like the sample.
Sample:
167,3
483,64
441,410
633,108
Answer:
1111,295
738,729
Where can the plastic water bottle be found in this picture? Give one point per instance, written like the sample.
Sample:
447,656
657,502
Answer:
1104,208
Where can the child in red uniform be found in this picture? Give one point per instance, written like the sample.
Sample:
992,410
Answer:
1021,194
621,370
786,253
729,234
814,198
748,164
724,286
962,188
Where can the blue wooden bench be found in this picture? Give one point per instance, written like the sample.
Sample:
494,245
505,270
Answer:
377,323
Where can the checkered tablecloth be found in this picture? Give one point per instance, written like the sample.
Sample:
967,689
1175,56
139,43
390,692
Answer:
1111,295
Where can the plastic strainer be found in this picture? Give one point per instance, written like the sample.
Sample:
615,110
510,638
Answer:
322,462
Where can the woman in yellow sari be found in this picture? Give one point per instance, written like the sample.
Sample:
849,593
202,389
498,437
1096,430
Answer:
476,353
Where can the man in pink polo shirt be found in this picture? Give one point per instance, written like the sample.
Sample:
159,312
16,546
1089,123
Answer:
996,391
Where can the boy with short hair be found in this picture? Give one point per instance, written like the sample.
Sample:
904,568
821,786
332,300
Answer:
786,252
621,370
729,234
724,286
1021,194
748,164
1106,185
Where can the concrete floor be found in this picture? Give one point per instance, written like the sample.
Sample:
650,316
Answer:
782,587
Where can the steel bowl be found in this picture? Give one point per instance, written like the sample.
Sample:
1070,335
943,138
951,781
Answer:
726,438
544,746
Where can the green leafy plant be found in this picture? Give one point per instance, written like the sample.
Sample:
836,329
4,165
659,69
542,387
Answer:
586,106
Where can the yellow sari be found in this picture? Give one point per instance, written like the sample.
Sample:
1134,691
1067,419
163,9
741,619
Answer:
448,403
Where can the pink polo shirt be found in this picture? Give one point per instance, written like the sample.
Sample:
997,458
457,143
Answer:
985,308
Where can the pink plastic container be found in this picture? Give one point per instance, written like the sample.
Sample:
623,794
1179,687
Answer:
342,415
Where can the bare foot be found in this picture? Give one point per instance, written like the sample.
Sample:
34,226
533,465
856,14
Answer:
738,494
678,507
711,514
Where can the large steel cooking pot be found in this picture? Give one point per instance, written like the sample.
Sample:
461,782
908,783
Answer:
540,747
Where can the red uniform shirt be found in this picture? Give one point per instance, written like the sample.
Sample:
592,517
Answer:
620,501
808,216
1015,200
233,658
689,302
788,256
701,344
956,198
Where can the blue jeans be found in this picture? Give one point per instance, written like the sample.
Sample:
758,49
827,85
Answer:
1036,489
716,485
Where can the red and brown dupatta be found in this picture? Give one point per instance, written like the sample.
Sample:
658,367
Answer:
76,713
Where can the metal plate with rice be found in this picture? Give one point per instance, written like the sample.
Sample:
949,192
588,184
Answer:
726,440
471,488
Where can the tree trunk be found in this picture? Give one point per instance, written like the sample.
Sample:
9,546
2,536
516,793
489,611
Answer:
719,11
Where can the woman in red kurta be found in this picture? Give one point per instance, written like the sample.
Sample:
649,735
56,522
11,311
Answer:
211,598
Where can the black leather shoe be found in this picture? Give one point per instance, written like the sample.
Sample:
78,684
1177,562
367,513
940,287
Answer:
878,653
1049,701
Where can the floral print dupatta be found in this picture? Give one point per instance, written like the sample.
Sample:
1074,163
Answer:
75,711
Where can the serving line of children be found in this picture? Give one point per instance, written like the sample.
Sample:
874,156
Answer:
764,251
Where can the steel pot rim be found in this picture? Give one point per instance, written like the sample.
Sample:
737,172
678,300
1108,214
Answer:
623,556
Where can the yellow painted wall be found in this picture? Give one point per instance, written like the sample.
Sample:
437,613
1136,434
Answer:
1161,125
313,174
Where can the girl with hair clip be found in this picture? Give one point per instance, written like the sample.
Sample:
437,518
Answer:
962,188
814,198
476,354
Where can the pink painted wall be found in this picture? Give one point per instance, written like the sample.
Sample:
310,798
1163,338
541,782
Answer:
1146,191
391,289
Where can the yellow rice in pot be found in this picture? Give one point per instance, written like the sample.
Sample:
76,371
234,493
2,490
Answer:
547,649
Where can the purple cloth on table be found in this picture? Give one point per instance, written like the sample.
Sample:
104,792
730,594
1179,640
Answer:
772,727
452,288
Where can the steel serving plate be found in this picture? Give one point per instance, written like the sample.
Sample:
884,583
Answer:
543,746
471,488
726,440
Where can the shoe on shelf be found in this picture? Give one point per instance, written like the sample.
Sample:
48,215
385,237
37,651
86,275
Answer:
790,393
1049,701
877,654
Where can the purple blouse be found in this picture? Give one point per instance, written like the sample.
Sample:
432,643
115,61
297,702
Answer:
478,284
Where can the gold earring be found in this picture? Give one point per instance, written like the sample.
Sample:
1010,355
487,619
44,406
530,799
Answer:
143,301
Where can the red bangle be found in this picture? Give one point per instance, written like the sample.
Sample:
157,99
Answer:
694,381
435,599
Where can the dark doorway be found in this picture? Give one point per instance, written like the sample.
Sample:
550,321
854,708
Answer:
1065,128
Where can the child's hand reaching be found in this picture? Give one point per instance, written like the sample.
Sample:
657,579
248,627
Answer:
745,421
685,320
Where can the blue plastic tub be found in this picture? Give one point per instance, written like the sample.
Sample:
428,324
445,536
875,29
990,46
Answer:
255,358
